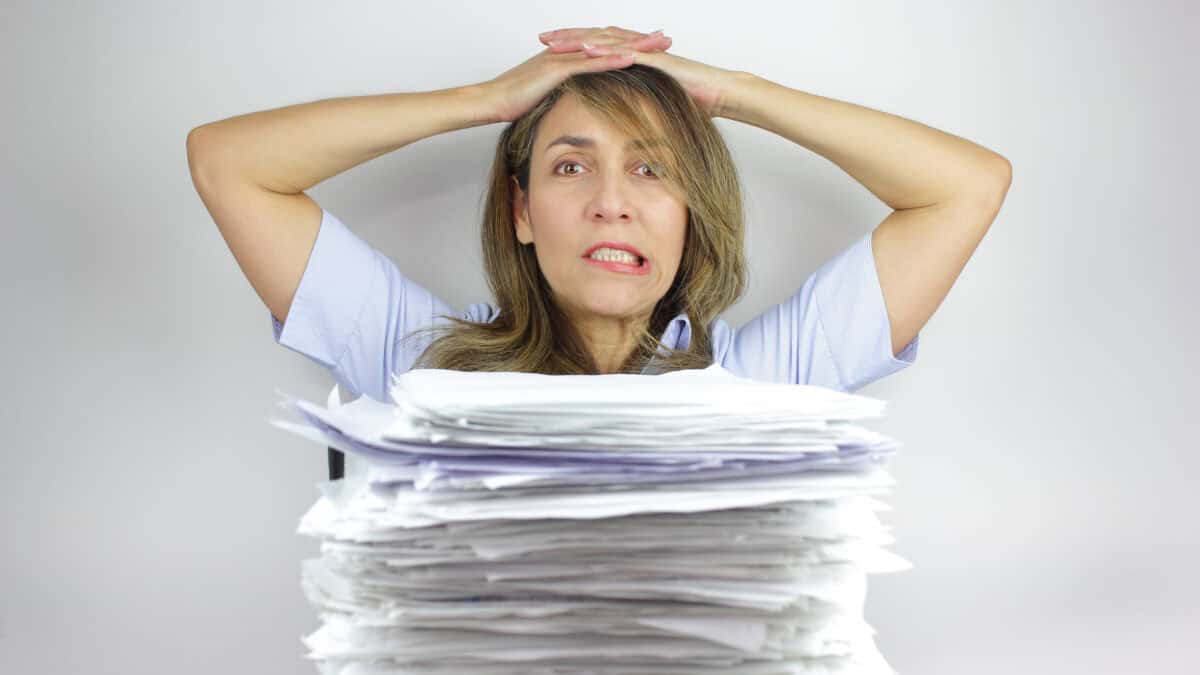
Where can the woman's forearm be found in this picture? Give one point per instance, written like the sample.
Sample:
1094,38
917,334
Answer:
292,148
904,163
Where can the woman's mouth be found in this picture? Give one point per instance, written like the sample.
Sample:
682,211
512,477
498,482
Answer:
640,268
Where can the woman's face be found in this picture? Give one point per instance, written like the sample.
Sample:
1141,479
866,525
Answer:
590,191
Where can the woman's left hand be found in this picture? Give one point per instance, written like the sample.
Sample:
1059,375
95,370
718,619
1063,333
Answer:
707,85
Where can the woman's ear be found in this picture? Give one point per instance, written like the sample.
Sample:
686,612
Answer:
521,213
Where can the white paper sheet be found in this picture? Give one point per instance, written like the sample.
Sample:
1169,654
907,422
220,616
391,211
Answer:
690,522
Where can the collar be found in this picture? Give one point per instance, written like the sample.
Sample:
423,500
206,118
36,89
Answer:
678,334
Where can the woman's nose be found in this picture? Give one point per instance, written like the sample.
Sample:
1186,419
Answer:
611,201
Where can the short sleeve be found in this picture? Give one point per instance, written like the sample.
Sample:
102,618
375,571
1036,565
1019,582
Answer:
834,332
351,310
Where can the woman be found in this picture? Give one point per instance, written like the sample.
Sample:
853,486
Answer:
613,231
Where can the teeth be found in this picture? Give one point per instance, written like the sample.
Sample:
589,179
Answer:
613,255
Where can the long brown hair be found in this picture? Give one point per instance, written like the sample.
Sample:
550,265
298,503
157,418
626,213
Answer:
530,333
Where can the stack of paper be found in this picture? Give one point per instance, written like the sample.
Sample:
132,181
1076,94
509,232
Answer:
517,523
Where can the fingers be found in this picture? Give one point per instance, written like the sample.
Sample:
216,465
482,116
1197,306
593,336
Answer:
581,62
563,33
596,35
627,48
604,50
614,61
560,33
575,43
596,45
654,40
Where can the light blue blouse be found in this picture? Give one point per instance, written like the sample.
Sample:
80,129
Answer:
353,306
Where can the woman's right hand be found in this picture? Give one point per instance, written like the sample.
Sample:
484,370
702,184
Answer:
513,92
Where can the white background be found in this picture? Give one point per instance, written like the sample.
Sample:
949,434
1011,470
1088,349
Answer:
1046,490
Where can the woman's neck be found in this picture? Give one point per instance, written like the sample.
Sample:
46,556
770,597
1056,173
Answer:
610,340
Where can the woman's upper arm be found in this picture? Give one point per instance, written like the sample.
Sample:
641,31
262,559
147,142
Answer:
832,332
270,234
351,308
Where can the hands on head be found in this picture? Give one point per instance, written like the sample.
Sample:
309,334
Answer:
578,50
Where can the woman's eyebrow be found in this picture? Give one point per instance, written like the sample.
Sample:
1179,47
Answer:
586,142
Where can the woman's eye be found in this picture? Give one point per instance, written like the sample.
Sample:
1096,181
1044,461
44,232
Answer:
567,164
652,173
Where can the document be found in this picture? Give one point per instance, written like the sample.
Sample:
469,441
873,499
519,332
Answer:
688,522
